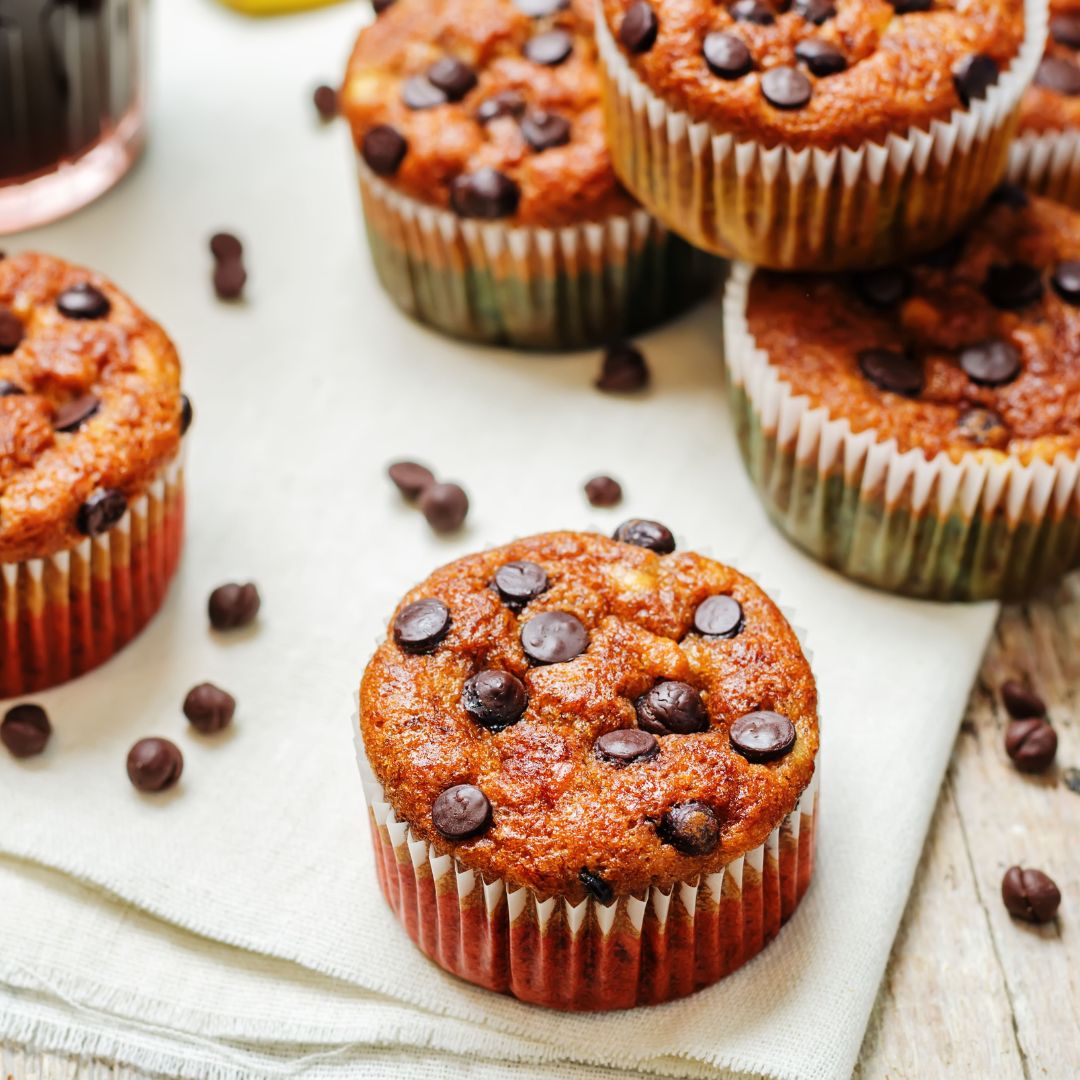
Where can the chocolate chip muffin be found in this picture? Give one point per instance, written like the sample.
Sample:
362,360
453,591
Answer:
91,487
816,135
491,204
591,768
918,427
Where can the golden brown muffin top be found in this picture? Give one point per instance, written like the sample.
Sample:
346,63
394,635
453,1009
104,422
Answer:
90,404
1052,103
974,348
567,813
479,107
821,73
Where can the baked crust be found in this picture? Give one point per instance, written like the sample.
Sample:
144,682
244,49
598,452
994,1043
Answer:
124,358
557,808
1043,109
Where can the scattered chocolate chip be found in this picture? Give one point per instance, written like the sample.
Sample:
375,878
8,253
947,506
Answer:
154,764
1020,701
225,247
1010,195
11,331
983,427
9,389
187,413
233,606
1065,30
627,746
786,88
541,9
519,582
820,57
73,414
893,371
726,55
101,512
647,534
1059,75
545,130
762,736
907,7
603,491
752,11
326,102
991,363
417,93
554,637
1071,779
945,256
495,699
623,370
637,31
883,288
672,708
719,616
421,625
411,478
230,277
445,506
691,828
550,48
209,708
83,301
1066,281
384,149
452,76
486,193
461,811
504,103
1013,285
815,11
973,76
381,5
1030,895
596,885
1032,744
25,730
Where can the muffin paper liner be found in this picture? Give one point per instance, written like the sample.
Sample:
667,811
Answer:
69,612
813,208
1048,163
980,527
529,287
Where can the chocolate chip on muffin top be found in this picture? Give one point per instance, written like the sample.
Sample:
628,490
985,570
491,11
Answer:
1052,103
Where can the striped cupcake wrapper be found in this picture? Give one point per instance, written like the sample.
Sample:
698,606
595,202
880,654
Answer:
1048,163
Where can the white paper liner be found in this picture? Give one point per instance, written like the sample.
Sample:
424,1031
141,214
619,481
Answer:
1048,163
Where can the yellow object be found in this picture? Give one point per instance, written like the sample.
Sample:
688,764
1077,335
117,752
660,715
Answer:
274,7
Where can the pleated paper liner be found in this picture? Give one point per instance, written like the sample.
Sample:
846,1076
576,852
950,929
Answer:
530,287
981,527
1048,163
71,611
812,208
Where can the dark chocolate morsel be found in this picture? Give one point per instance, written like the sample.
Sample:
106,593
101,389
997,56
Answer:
11,331
719,617
1031,744
230,277
893,371
1030,895
1066,281
991,363
154,764
504,103
554,637
519,582
973,75
325,99
672,708
25,730
452,76
624,369
460,812
101,512
627,746
762,736
487,194
1010,195
1065,30
907,7
83,301
1020,701
187,413
637,31
821,57
410,477
786,88
73,414
383,149
815,11
647,534
545,130
753,11
418,93
1059,75
603,491
232,606
550,48
209,708
9,389
495,699
1013,285
598,888
691,828
421,625
883,288
226,247
727,55
444,506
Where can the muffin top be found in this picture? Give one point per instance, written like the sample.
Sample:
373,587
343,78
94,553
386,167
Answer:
820,73
573,714
489,108
1052,103
976,348
90,404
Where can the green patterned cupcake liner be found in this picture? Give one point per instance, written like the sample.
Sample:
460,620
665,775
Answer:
530,287
982,526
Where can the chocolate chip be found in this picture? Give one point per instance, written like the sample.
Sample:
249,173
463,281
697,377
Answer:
83,301
519,582
1071,779
623,370
73,414
1066,281
883,288
453,77
752,11
417,93
541,9
445,506
719,616
421,625
25,730
597,886
554,637
627,746
1059,75
762,736
637,31
691,828
945,256
983,427
11,331
504,103
411,478
603,491
154,764
230,277
233,606
820,57
1032,744
1010,195
486,193
672,708
991,363
187,414
726,55
101,512
461,811
1030,895
545,130
973,76
225,247
647,534
209,708
383,149
1020,701
786,88
1065,30
381,5
495,699
893,371
815,11
907,7
1013,285
325,99
550,48
9,389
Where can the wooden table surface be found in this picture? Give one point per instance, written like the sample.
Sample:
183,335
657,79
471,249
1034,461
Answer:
969,992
